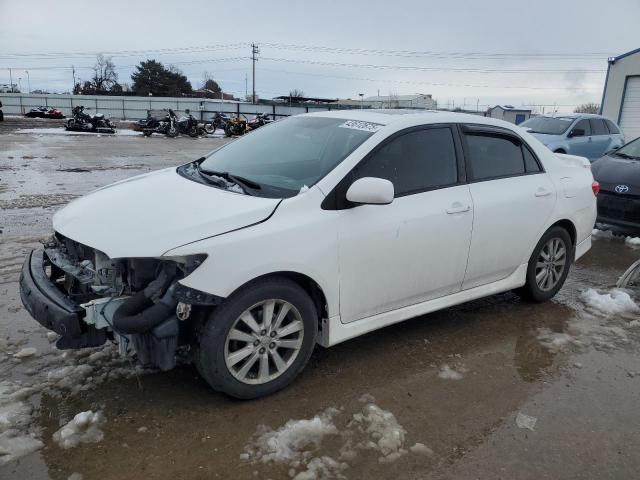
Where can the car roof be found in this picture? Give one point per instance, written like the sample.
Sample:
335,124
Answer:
408,116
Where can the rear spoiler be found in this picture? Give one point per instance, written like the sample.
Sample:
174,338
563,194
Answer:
574,160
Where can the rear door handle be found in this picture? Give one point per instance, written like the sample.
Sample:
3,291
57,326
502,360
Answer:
542,192
457,207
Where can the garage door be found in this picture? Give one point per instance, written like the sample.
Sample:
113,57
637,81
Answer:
630,115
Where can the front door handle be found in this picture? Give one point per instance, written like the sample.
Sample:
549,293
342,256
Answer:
542,192
457,207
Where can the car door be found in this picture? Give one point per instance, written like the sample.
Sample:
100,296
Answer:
600,138
580,145
513,199
415,248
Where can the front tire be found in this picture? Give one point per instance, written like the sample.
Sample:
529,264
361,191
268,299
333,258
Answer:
258,340
549,265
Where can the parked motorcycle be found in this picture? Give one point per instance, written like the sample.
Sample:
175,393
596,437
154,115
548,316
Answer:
260,120
83,122
218,121
188,124
235,126
165,125
44,112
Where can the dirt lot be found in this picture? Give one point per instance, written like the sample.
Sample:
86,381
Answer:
492,389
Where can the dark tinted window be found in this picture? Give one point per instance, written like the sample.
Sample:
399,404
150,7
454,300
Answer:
584,125
598,127
415,161
530,162
493,156
612,127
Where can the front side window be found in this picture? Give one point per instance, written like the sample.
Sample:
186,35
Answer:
598,127
493,156
414,162
583,125
283,157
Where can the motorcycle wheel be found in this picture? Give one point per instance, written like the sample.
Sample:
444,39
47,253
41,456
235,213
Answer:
70,124
147,133
193,132
209,128
172,132
227,132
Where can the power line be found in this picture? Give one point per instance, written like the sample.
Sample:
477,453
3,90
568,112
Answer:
429,69
433,84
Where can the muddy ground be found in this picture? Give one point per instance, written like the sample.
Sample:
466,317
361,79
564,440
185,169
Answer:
493,389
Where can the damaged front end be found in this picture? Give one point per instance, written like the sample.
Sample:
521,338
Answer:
88,298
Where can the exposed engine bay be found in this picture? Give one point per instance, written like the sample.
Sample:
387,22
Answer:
135,302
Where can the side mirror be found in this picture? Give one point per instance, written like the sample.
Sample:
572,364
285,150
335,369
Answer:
371,191
576,132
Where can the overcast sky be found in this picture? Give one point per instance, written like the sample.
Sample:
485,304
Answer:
462,52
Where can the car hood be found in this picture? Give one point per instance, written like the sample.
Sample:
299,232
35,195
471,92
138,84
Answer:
147,215
545,138
612,171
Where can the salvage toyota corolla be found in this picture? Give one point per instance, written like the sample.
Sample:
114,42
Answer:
314,229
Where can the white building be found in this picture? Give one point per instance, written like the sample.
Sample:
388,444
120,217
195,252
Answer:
418,100
621,95
509,113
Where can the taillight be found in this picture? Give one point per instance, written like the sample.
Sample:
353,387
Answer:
595,187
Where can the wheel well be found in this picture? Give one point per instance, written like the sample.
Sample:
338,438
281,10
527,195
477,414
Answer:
308,284
569,227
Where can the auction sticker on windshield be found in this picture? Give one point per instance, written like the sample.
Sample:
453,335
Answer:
360,125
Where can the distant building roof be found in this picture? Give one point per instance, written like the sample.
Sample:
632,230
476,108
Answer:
305,99
384,98
511,108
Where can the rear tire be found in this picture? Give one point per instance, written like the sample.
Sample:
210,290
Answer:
548,266
230,352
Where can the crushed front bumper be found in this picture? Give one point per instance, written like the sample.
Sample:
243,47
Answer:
50,307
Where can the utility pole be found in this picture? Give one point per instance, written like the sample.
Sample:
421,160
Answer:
246,92
254,57
73,71
10,81
28,80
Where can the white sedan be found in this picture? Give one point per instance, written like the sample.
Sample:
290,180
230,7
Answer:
314,229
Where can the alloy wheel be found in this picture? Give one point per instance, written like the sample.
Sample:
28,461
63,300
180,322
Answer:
264,341
551,263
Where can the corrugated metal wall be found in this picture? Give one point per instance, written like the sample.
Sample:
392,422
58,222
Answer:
134,108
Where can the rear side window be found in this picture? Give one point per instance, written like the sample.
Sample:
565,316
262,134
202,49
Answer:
494,156
598,127
613,129
583,125
416,161
530,163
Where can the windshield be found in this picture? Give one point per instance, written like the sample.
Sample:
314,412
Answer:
631,149
548,125
290,154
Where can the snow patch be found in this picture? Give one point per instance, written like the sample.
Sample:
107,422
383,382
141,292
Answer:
602,234
448,373
526,421
17,437
615,302
633,242
84,428
26,352
421,449
386,434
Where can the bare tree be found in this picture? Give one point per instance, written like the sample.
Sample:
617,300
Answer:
208,83
104,74
296,93
588,108
394,101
